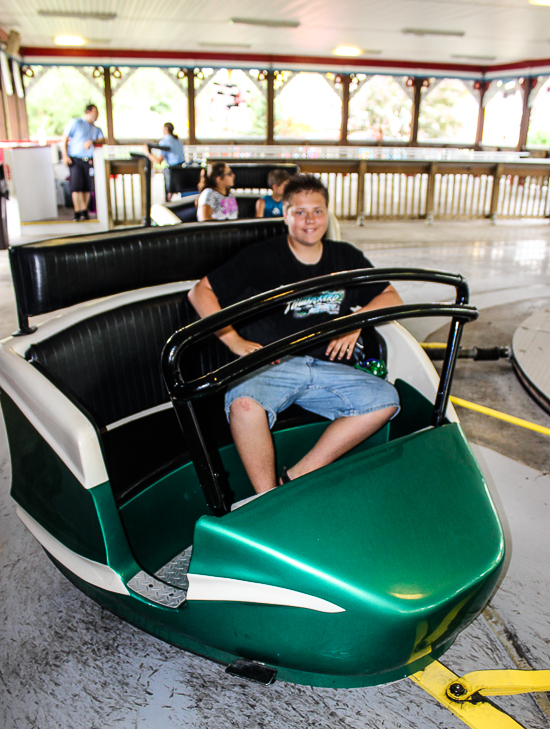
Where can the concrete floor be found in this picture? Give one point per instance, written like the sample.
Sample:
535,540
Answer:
67,663
508,269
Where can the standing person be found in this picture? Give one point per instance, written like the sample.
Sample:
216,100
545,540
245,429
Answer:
271,206
216,201
319,380
173,156
77,151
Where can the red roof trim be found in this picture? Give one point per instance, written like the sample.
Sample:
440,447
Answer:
181,56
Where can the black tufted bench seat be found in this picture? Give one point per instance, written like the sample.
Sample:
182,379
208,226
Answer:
105,359
109,367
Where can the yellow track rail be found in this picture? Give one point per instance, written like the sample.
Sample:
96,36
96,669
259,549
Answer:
501,416
488,411
464,696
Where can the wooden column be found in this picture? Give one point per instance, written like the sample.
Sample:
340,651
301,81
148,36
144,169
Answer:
108,104
527,86
430,193
483,88
11,111
192,139
21,130
23,118
361,172
418,82
346,80
493,210
3,122
270,130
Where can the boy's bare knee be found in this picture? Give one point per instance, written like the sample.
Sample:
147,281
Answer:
245,407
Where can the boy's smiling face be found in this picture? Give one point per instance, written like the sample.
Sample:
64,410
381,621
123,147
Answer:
306,218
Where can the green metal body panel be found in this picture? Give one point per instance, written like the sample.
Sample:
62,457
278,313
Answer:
160,521
168,625
402,535
416,411
370,534
47,490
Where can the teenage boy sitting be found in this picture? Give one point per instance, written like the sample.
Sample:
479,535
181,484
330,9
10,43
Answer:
271,206
357,402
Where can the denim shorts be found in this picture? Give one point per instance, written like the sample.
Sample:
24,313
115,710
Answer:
330,389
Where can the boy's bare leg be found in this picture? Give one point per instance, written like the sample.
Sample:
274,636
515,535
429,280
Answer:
250,430
340,437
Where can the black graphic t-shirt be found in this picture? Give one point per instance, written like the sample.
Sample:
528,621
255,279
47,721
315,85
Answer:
270,264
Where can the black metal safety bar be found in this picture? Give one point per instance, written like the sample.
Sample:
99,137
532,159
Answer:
190,335
203,450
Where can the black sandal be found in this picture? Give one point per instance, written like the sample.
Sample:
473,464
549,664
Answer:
285,478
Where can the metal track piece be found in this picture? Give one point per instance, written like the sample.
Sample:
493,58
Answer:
476,712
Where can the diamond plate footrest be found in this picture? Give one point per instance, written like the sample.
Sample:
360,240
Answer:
156,591
175,571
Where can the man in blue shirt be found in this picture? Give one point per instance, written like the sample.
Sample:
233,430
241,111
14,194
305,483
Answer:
77,150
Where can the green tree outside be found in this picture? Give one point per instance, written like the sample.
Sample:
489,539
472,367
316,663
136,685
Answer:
145,102
60,95
448,113
380,110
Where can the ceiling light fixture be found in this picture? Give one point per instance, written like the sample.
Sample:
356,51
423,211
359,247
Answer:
540,2
82,16
265,23
69,40
427,31
347,51
225,45
473,58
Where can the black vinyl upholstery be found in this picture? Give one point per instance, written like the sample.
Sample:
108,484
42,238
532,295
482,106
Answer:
254,176
54,274
182,179
248,175
186,210
110,364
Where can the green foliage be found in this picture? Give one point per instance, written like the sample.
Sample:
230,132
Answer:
258,112
160,107
382,109
538,138
145,101
216,119
308,107
443,112
60,95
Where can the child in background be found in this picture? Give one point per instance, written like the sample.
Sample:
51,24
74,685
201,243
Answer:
271,206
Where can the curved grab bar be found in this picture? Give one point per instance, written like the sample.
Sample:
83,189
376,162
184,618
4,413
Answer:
214,381
189,335
202,447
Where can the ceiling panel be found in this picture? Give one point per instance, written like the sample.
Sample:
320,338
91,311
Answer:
508,30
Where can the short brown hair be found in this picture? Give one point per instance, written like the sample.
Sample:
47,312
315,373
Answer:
303,183
277,177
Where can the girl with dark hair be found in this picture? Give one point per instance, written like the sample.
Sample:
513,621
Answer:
216,201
